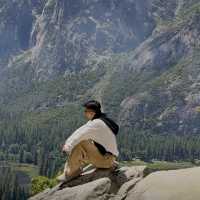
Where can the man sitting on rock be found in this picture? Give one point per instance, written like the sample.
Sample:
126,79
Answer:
93,143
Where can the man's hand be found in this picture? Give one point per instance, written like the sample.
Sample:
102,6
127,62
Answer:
65,148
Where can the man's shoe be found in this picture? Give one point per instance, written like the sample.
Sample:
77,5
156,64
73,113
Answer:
115,166
87,168
64,178
61,178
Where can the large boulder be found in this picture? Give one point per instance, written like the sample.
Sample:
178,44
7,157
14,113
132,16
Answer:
96,184
128,183
180,184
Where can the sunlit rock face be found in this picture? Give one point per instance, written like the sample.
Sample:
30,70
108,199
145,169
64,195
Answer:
16,23
70,32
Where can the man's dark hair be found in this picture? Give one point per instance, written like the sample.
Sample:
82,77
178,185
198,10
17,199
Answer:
93,105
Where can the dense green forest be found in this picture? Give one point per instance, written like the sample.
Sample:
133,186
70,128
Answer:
10,188
37,139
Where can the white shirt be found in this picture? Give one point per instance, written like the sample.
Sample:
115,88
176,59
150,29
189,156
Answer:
96,130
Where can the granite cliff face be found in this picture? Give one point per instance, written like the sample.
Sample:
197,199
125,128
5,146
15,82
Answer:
68,33
139,58
169,65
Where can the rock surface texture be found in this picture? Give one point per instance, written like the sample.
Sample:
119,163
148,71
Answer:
100,184
128,183
168,185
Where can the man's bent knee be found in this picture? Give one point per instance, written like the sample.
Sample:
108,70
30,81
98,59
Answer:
85,143
80,144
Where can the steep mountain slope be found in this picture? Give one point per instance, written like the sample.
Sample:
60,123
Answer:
140,59
67,36
165,93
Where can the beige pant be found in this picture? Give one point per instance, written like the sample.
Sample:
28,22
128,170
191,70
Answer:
85,153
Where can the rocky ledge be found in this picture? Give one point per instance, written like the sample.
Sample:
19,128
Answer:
128,183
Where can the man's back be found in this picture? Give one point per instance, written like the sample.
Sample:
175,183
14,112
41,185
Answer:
112,125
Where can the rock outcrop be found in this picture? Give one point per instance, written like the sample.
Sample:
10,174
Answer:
128,183
98,185
168,185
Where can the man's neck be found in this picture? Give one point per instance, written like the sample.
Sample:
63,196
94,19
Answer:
96,115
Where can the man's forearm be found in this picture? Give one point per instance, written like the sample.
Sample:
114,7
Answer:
73,139
84,132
